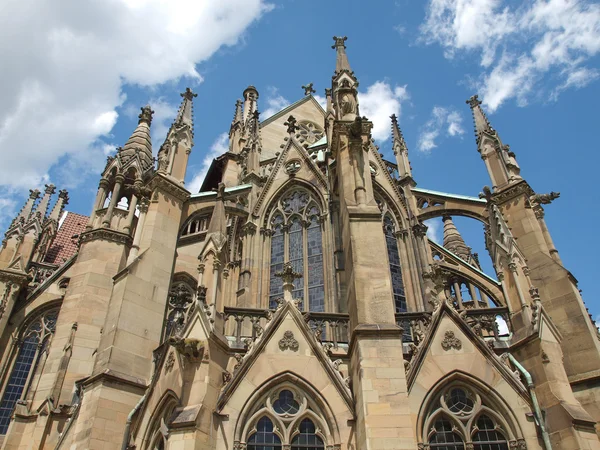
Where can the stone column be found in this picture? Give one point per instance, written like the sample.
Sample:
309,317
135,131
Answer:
113,200
135,247
130,216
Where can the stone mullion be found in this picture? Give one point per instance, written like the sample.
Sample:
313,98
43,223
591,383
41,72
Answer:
305,264
331,304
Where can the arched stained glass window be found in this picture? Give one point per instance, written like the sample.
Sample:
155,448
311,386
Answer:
277,259
488,436
461,418
297,238
264,438
31,347
394,261
287,418
444,437
307,438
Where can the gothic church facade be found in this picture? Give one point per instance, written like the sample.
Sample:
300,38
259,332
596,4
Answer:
295,302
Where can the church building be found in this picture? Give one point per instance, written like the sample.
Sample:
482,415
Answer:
295,302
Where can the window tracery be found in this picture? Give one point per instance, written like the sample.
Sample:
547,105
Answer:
296,237
159,431
461,419
31,345
286,419
310,132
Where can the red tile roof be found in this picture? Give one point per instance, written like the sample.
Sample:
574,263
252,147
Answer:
65,245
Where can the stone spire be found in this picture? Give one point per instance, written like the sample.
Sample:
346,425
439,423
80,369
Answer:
140,141
453,241
28,206
500,161
59,206
217,229
185,113
400,149
42,208
341,62
250,102
481,121
237,115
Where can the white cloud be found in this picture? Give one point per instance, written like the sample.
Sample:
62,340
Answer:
434,230
443,121
275,102
164,114
322,101
378,103
8,208
541,40
64,82
220,146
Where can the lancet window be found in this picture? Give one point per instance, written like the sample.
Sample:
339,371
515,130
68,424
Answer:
460,419
297,237
180,302
286,419
29,350
393,253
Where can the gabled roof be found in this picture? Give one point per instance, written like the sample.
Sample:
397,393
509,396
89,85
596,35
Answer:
64,245
287,109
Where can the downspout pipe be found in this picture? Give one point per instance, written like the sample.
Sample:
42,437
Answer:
536,406
127,432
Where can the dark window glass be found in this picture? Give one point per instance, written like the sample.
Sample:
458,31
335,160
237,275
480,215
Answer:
316,282
296,254
307,438
458,401
286,404
395,269
277,255
27,358
444,438
488,437
264,438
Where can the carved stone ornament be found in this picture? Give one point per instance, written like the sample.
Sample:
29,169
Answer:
292,167
105,235
170,362
288,342
308,89
451,341
190,348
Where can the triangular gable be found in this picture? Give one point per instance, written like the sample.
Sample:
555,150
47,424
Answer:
273,130
289,343
449,336
291,148
376,157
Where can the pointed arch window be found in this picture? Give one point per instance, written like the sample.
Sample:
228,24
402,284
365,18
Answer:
30,348
297,237
460,418
286,418
391,241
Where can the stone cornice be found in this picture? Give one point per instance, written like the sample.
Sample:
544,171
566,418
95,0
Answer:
512,192
105,234
171,187
11,276
115,377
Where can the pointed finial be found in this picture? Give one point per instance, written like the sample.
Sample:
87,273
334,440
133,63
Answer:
42,208
308,89
291,125
63,200
397,134
146,115
237,115
339,41
25,212
188,94
341,63
481,122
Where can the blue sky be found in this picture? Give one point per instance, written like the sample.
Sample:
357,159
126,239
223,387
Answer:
73,89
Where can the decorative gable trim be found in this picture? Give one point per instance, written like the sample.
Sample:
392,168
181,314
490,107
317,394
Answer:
255,350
